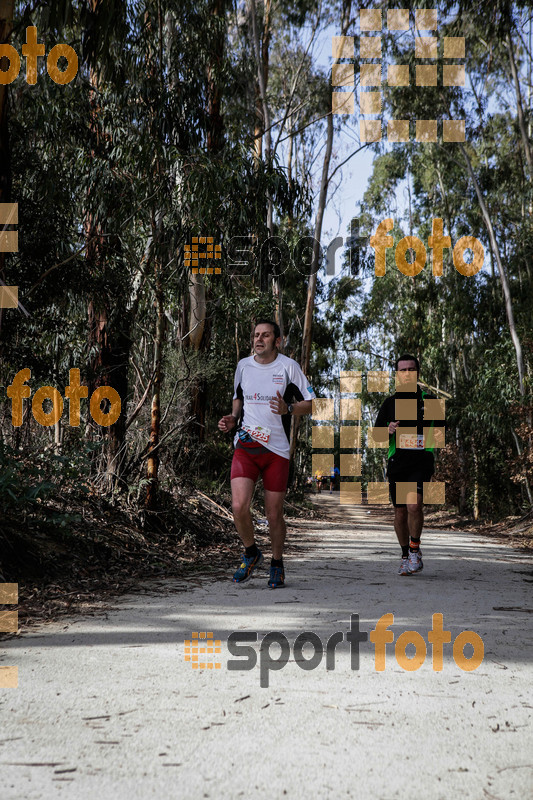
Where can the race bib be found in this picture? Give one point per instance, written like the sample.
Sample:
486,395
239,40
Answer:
411,441
259,434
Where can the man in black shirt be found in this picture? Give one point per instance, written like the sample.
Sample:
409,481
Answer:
410,456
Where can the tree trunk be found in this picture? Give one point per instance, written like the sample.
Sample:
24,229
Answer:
108,326
199,327
199,335
215,121
462,506
237,351
290,213
261,50
475,503
262,128
524,469
324,183
197,310
6,29
519,107
57,437
311,286
152,465
109,367
503,275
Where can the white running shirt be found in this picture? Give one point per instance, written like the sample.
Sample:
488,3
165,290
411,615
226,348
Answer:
256,384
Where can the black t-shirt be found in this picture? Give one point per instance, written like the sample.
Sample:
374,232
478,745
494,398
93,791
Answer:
402,460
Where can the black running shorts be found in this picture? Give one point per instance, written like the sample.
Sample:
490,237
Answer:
414,476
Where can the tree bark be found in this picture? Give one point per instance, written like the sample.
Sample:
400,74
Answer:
519,107
152,464
324,184
108,326
6,28
475,500
109,367
503,275
261,47
197,310
524,469
311,286
215,120
198,338
199,327
261,50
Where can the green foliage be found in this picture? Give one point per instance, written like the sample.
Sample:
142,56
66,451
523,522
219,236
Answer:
458,326
20,484
116,172
27,481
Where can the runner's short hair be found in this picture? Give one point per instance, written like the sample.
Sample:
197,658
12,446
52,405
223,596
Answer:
407,357
275,326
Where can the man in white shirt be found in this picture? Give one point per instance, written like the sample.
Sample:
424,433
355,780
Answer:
269,388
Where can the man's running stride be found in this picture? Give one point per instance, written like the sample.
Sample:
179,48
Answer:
410,459
269,388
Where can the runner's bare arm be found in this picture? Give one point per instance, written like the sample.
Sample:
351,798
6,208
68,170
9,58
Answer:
229,421
301,408
237,409
279,406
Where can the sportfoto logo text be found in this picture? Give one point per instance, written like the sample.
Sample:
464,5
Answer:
31,51
74,392
275,648
245,255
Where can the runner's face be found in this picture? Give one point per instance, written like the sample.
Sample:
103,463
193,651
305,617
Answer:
407,372
264,340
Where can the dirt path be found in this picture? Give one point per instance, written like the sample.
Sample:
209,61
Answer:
108,707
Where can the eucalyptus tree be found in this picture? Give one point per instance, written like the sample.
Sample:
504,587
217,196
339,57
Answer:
464,332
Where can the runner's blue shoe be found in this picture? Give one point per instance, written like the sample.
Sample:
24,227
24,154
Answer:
277,577
249,563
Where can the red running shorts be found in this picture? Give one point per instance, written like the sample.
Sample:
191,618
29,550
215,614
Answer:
250,463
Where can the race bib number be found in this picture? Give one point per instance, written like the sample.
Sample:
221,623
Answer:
411,441
258,433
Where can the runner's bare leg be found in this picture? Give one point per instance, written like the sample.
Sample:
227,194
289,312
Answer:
276,522
415,517
401,527
242,490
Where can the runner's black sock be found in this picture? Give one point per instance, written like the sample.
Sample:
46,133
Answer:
251,551
414,544
276,562
405,550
